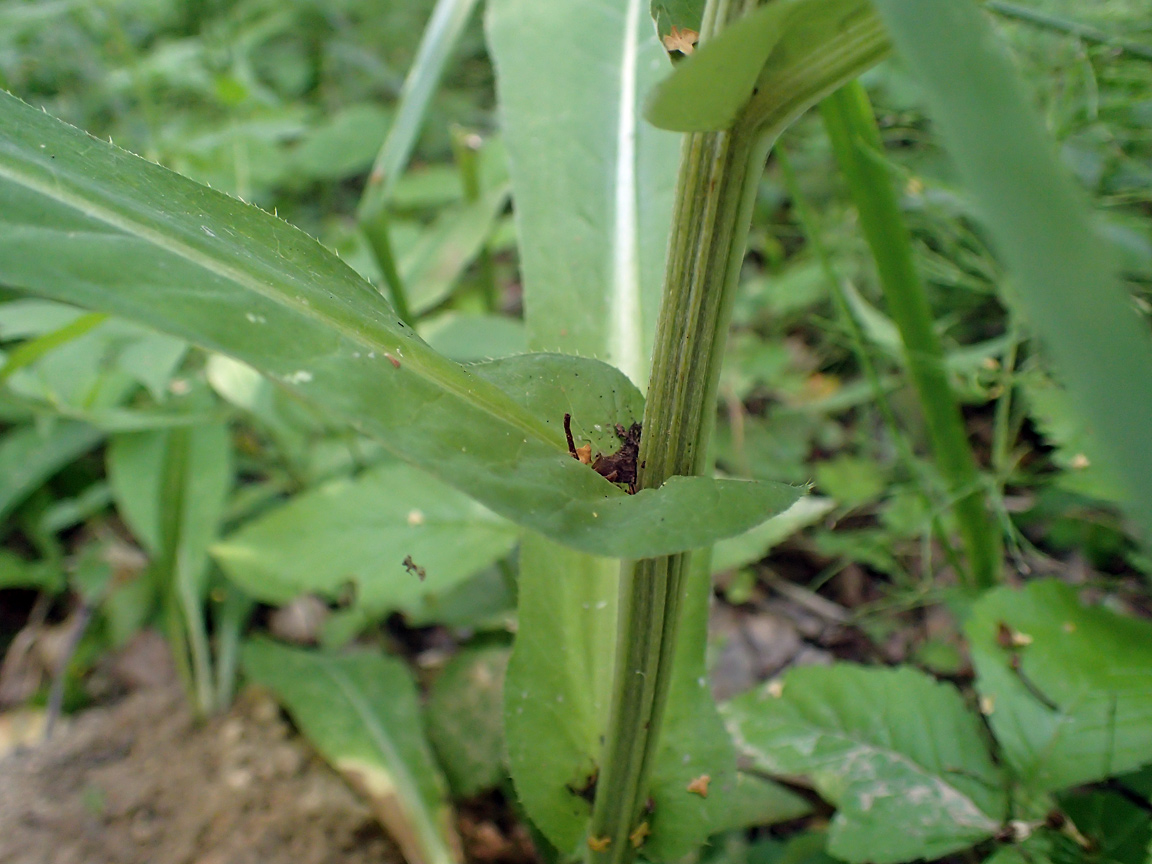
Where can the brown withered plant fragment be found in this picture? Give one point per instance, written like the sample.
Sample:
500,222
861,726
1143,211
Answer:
618,467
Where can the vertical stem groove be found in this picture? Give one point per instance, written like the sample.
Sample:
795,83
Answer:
710,224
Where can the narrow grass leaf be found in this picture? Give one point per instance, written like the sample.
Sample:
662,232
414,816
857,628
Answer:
443,32
1064,278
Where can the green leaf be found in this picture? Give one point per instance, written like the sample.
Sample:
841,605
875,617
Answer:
899,754
707,91
90,363
90,224
441,35
360,711
465,718
431,269
558,685
851,480
471,338
1118,829
1076,707
593,236
29,456
788,53
753,545
187,487
360,531
1063,274
1076,446
15,572
135,467
343,145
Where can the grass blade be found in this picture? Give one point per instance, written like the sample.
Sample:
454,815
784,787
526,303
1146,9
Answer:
1065,281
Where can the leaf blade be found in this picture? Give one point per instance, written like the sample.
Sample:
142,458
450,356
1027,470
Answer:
93,225
359,710
898,753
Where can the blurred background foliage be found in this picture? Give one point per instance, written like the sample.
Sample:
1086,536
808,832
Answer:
146,482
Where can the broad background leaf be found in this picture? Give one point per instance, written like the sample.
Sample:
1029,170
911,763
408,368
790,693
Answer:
1091,665
465,719
899,754
360,530
360,711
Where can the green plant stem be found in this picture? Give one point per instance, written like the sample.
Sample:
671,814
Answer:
443,32
859,343
710,224
376,232
183,609
465,149
1058,24
856,142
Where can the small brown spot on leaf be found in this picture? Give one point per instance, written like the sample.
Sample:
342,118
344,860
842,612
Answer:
700,785
638,836
683,41
599,844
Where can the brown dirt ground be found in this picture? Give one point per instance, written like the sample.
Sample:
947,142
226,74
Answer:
141,782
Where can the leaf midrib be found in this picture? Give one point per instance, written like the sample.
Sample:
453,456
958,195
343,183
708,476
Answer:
508,412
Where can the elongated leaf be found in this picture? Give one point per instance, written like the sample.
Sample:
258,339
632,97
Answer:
900,756
592,242
360,711
1077,707
29,456
135,467
436,45
1064,275
707,91
430,270
558,685
171,486
787,53
360,531
592,182
465,716
87,223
